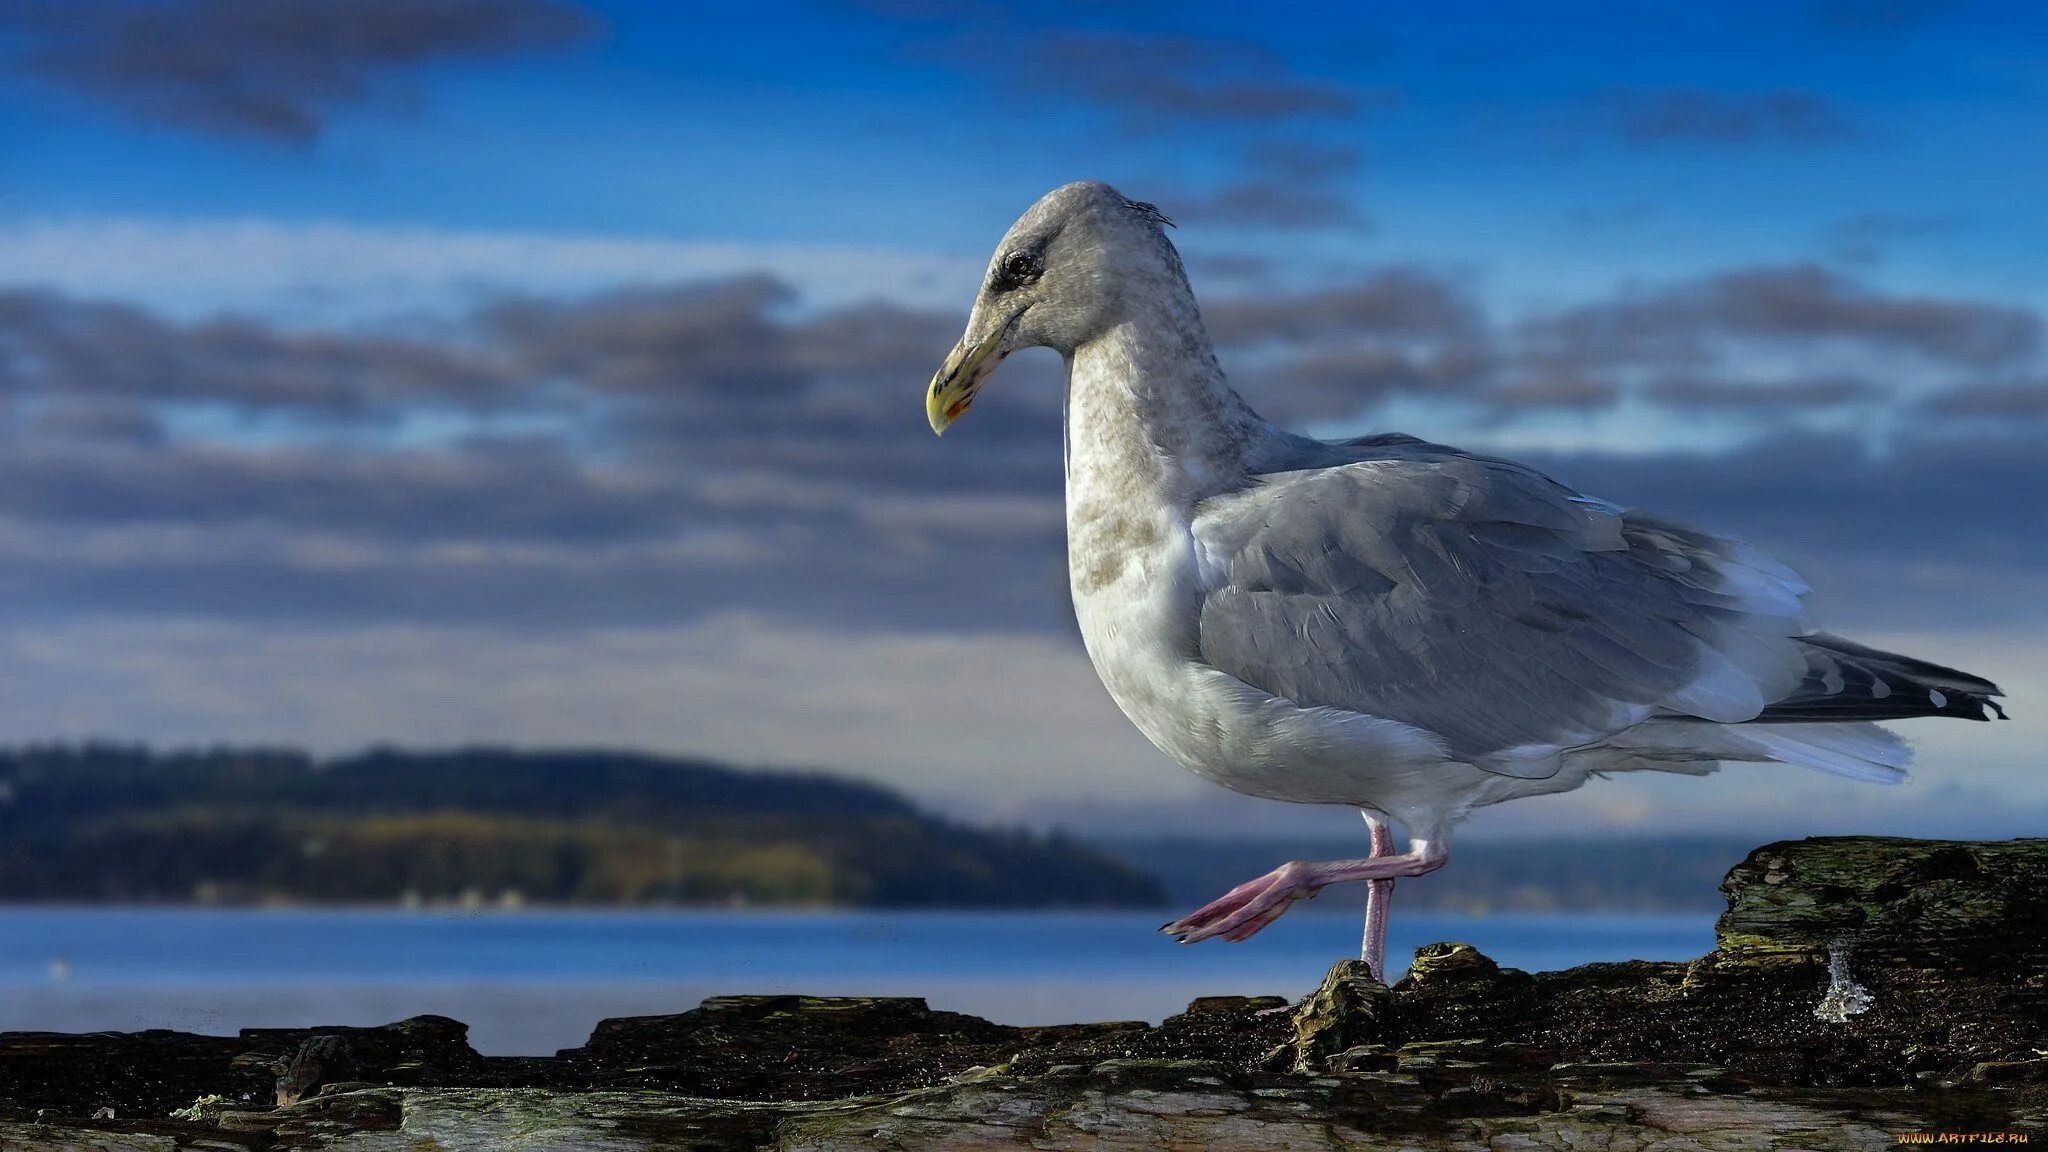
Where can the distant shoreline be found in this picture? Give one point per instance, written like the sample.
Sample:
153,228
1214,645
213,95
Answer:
473,829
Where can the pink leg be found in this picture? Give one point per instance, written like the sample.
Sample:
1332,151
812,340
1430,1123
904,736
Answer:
1379,899
1242,911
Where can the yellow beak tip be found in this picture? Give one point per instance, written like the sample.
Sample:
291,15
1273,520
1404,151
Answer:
942,415
963,369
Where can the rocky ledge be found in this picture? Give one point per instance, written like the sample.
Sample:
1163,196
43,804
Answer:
1861,989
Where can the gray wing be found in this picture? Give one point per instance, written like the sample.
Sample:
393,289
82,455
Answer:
1486,604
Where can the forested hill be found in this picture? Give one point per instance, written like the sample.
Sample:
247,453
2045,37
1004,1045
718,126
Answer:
108,823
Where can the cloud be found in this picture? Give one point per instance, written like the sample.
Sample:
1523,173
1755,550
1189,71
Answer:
1182,80
1331,352
707,339
1793,304
641,455
1398,302
656,455
65,347
1338,383
1699,116
1232,93
715,339
1307,161
1924,533
337,274
270,71
632,516
1557,392
1242,268
2021,401
1762,396
1116,59
1287,183
1865,237
1271,204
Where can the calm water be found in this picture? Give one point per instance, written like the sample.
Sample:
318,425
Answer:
535,981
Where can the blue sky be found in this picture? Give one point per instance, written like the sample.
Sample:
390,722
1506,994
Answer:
436,370
1485,127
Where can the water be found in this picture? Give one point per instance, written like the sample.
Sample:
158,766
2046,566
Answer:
530,982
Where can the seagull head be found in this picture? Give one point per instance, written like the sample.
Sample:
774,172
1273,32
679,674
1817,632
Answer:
1068,270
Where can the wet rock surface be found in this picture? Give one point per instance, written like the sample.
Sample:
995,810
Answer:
1949,940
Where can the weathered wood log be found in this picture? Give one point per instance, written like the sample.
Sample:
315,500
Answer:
1745,1048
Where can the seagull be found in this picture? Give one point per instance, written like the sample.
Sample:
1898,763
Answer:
1384,623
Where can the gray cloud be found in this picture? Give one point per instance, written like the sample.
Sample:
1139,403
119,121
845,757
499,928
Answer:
1288,183
1107,56
1330,353
661,455
1699,116
1865,237
1794,304
270,70
84,419
647,455
1307,161
707,340
502,493
1555,391
1238,267
1397,302
1341,382
2025,400
1177,79
60,346
1926,532
1272,204
1762,396
1219,89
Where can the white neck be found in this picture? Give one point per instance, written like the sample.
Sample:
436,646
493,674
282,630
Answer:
1150,417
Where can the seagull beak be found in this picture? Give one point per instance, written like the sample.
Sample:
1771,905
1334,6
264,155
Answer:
960,377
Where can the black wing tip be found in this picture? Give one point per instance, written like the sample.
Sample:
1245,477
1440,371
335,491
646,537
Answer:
1970,706
1910,687
1912,667
1952,705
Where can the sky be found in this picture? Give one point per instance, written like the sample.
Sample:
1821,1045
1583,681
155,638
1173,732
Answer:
551,373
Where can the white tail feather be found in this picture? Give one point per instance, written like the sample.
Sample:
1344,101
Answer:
1859,751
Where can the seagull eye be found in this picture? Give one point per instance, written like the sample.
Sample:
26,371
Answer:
1017,269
